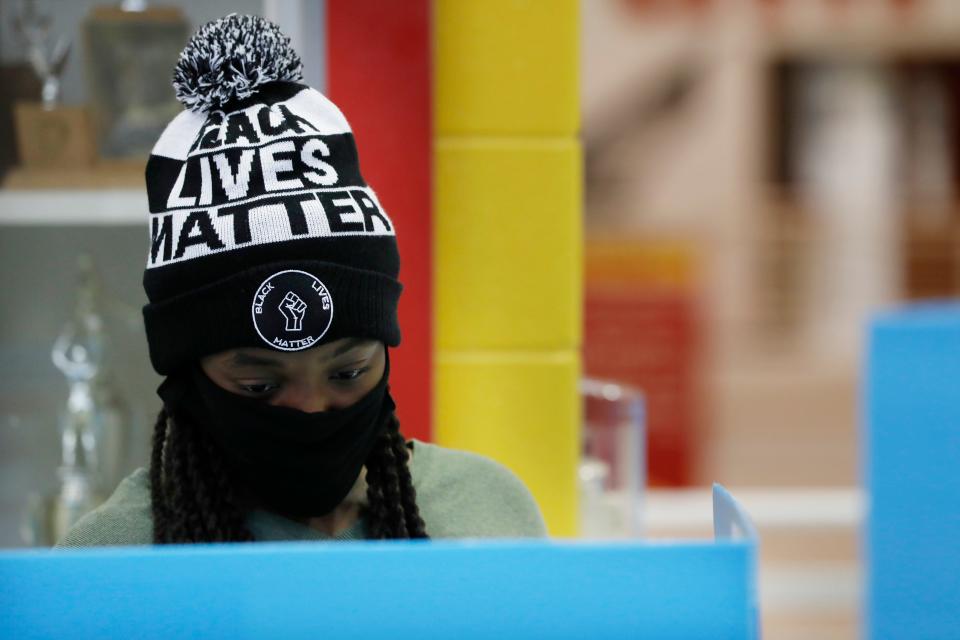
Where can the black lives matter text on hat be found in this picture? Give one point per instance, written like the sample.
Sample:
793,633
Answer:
259,215
257,183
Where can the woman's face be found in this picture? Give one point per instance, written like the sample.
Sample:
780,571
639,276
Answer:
332,376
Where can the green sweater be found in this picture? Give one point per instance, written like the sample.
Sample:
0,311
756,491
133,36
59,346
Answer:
460,495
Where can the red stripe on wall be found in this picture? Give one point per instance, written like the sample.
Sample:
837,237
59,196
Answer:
379,74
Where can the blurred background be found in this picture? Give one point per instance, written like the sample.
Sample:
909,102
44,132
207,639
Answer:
760,177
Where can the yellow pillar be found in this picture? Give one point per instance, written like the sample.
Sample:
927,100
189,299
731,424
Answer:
508,240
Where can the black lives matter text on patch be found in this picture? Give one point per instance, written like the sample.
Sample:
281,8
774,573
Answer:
182,235
291,310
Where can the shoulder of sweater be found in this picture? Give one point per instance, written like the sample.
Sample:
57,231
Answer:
464,494
124,519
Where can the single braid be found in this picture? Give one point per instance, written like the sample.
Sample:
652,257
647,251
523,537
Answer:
376,509
416,528
392,510
396,521
161,516
194,494
180,495
213,512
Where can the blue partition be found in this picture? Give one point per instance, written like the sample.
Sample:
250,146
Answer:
440,589
912,473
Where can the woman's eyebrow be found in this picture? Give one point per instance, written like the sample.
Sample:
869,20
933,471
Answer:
351,343
241,358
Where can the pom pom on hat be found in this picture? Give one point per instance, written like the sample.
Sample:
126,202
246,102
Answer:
229,58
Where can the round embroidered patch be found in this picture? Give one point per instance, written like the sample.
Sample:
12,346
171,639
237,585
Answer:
292,310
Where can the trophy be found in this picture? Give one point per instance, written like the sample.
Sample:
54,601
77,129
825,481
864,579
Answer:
93,431
34,29
48,133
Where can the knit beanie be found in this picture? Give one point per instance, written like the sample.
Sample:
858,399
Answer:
262,231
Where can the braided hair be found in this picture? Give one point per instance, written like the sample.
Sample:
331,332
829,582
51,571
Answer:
194,500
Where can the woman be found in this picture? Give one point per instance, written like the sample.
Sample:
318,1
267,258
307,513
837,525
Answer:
272,286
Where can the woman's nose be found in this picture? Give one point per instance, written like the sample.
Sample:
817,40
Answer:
303,397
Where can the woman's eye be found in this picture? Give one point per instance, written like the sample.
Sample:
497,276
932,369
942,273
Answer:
257,389
349,374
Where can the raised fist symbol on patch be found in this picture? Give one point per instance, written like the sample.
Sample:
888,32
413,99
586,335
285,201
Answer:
293,309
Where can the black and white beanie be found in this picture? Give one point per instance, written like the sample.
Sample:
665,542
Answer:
262,230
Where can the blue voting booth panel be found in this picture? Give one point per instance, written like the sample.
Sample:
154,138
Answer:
912,469
437,589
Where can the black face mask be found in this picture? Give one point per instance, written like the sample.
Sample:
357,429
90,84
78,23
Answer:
293,462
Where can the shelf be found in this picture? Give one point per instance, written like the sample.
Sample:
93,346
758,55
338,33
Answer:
26,207
876,44
105,174
690,510
110,192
